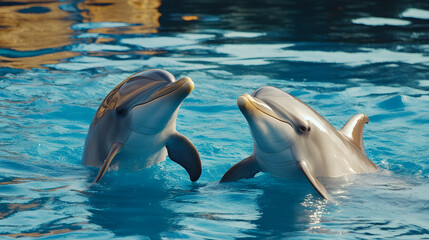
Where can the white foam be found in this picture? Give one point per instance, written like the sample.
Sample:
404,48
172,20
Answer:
93,47
378,21
158,42
233,34
93,25
424,83
416,13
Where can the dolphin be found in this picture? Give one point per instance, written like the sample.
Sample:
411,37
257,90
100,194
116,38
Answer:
290,138
135,126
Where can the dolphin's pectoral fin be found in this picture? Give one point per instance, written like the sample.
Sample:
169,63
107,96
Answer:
183,152
114,149
313,180
246,168
353,129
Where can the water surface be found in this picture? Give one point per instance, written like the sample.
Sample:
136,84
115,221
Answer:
58,60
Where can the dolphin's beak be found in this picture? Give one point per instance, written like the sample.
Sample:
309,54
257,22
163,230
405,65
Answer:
155,113
250,105
182,87
268,130
243,101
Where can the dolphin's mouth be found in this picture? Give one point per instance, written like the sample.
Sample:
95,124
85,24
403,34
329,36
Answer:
246,99
185,84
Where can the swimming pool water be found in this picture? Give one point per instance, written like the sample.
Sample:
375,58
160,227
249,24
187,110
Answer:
58,60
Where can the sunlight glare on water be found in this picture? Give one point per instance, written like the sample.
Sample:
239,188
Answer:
58,60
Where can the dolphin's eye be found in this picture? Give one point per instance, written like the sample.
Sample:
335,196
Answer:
303,129
120,112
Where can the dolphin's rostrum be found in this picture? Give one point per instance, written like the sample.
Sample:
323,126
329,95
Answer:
135,126
290,138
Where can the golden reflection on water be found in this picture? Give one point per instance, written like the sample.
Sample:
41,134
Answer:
18,207
36,61
40,234
23,29
144,13
33,31
37,25
190,18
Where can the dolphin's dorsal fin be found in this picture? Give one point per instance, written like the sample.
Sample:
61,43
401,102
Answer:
246,168
353,130
183,152
114,149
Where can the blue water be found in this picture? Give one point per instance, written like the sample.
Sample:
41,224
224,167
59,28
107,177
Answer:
58,60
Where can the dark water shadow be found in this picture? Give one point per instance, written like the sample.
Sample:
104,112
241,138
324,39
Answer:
289,20
131,204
